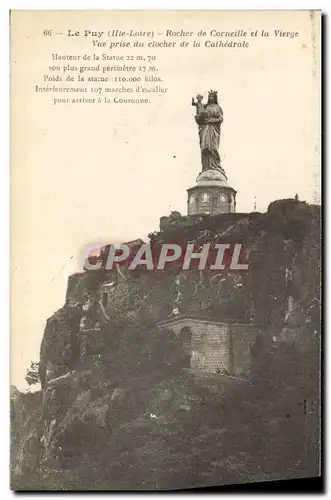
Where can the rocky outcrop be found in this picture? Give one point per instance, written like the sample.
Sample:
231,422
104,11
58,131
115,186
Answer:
118,410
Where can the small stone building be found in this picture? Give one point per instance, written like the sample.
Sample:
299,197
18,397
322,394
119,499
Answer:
214,345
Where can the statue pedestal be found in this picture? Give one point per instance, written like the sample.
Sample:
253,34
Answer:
212,194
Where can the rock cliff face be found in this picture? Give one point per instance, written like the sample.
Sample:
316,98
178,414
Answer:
118,411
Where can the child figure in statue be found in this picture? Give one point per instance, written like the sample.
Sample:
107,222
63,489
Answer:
198,104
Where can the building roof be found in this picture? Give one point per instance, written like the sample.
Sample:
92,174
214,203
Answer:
203,319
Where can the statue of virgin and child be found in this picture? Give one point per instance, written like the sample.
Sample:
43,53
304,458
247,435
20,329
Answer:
209,117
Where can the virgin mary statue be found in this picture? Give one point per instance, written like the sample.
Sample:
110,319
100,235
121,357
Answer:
209,118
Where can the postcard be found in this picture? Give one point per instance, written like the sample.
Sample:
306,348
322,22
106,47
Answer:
165,249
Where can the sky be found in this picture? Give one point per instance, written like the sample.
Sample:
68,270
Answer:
88,173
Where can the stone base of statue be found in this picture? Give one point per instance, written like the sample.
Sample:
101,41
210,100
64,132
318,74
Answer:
212,194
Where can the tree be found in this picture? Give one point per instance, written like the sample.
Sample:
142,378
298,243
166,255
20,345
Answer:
32,374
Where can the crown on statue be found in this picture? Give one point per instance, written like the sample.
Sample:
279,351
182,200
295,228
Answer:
213,93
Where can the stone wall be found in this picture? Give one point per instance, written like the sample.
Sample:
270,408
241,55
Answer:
209,342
